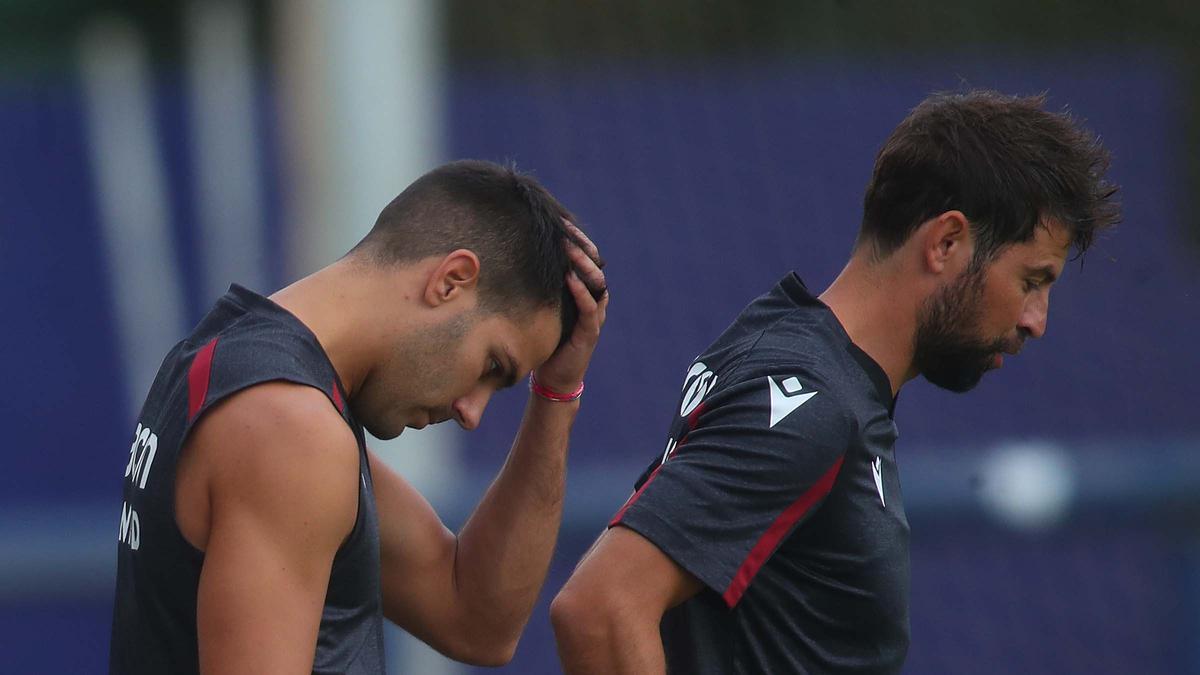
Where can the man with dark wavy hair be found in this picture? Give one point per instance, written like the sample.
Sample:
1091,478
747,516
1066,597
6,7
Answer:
770,535
259,535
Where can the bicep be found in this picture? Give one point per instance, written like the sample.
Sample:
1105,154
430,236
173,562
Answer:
258,607
633,573
283,494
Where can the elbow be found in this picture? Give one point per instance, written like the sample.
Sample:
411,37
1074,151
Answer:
497,654
469,637
580,618
492,657
566,612
488,651
601,629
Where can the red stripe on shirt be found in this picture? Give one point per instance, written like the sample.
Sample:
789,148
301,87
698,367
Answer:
620,514
337,398
692,419
776,532
198,376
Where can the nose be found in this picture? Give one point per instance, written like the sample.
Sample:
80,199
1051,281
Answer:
468,410
1035,314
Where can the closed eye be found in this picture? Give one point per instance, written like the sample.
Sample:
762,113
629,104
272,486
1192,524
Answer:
498,371
1039,277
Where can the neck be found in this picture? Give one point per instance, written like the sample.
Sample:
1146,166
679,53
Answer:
340,305
874,307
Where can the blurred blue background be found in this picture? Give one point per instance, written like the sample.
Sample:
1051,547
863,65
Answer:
153,153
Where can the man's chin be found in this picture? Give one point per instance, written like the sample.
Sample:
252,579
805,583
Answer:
424,420
383,433
959,381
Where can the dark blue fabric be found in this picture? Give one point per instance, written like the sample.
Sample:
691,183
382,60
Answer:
780,454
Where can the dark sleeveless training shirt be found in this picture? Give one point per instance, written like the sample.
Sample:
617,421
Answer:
778,489
245,340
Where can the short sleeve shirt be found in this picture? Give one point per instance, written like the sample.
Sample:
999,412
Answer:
778,489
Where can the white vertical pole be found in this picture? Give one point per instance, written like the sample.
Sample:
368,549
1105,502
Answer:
130,186
363,106
220,68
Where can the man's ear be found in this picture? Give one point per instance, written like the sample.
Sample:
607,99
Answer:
946,243
456,276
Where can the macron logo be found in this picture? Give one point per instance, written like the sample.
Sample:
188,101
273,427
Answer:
786,396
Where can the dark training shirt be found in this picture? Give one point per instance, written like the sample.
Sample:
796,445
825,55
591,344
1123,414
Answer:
778,489
245,340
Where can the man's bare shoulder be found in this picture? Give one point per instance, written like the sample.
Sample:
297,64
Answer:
281,452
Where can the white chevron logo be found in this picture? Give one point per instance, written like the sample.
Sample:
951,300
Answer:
786,396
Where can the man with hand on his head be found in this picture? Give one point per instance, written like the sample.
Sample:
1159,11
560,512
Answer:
258,533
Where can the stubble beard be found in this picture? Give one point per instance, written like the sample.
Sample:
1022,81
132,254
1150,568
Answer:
422,364
947,351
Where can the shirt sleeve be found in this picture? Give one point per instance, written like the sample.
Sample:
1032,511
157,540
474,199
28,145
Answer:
749,466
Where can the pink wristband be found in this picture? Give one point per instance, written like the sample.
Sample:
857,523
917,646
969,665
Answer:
550,394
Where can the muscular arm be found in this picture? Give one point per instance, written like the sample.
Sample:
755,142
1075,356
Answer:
470,596
280,469
606,617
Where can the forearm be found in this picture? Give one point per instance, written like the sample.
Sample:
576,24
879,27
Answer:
504,550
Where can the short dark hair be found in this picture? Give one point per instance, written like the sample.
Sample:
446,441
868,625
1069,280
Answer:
1004,161
505,217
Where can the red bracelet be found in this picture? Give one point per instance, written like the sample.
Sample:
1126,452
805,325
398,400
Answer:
550,394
